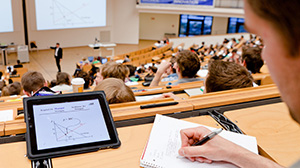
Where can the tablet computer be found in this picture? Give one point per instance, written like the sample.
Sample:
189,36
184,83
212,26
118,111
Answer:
67,124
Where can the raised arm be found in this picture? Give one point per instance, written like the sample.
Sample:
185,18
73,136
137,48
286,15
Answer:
219,149
161,70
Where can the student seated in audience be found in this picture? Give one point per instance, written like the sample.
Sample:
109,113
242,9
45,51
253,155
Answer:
2,85
138,74
77,70
63,82
34,84
126,59
115,90
87,79
112,70
170,73
132,74
96,61
251,59
19,65
52,83
187,65
151,73
225,76
85,62
12,89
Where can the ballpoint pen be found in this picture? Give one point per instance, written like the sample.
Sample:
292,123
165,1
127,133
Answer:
208,137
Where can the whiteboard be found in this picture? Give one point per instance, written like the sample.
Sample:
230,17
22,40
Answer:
67,14
6,22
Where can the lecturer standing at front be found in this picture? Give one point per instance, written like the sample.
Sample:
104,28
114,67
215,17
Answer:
57,55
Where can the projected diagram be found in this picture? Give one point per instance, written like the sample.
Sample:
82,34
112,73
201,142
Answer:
68,15
69,129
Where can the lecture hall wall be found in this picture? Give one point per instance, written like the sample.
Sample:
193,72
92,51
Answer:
153,26
124,22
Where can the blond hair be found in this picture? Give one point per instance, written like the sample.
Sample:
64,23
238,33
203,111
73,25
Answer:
115,90
114,70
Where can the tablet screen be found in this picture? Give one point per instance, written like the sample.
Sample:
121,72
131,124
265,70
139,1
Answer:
69,123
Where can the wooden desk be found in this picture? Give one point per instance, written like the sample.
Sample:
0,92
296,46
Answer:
234,96
133,141
163,89
15,127
131,112
1,128
278,136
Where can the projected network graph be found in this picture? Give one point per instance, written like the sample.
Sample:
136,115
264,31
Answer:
65,14
69,129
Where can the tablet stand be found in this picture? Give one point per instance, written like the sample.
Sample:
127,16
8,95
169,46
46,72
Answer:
43,163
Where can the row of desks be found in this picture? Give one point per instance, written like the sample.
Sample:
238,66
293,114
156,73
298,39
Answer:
132,111
277,134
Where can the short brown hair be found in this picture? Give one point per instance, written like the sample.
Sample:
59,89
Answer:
284,16
32,81
12,89
116,91
114,70
252,58
63,78
227,75
188,63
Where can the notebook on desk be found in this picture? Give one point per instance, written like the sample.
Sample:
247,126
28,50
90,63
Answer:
164,142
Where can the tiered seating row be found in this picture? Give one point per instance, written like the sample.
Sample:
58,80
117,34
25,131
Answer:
125,111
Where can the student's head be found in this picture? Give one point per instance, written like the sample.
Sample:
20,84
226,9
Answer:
152,69
52,83
277,23
171,69
252,59
2,84
113,70
226,75
18,62
14,72
57,44
187,64
131,69
115,90
12,89
63,78
32,81
86,77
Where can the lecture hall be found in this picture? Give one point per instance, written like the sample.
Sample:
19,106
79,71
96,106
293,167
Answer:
149,83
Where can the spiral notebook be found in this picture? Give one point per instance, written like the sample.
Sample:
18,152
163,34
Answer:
161,150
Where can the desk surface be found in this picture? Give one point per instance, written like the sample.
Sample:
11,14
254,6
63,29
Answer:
128,155
277,134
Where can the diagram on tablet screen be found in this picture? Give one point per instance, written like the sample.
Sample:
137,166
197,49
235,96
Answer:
69,129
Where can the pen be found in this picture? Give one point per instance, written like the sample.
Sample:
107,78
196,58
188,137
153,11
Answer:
208,137
158,105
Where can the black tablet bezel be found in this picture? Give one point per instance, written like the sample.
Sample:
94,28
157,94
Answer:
34,153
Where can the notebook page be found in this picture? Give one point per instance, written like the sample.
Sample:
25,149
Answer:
164,143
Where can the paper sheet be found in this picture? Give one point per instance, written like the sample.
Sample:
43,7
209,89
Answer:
6,115
164,143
